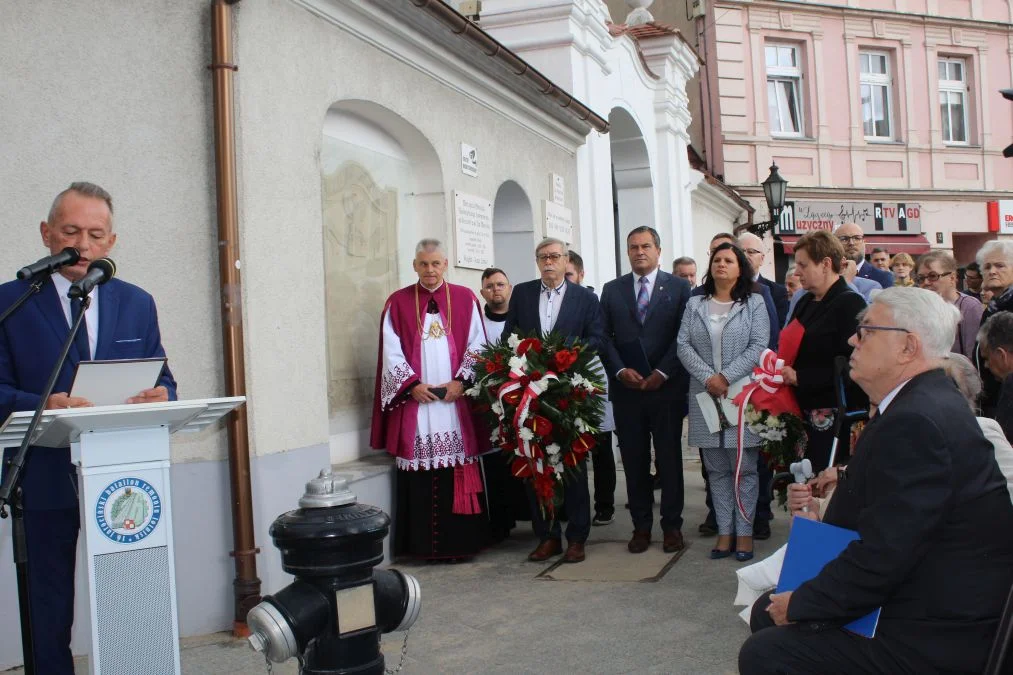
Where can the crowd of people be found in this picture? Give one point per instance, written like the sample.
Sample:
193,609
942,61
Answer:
928,339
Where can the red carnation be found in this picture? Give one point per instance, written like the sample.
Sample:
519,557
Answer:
525,381
563,403
529,343
563,359
536,375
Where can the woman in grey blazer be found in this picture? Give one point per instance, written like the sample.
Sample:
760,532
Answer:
722,335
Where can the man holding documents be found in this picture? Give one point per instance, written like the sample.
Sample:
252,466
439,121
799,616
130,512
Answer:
647,384
120,323
931,511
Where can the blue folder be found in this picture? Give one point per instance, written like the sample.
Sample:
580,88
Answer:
812,545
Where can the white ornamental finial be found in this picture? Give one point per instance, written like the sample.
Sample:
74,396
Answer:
639,14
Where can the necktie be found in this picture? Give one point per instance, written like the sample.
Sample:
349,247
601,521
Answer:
642,300
81,339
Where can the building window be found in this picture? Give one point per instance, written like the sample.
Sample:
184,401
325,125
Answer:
784,88
876,99
953,99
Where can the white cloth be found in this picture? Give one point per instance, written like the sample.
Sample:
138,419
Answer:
493,330
651,278
549,304
438,439
62,285
1003,449
757,579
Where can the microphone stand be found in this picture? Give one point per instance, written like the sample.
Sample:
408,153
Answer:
12,495
38,281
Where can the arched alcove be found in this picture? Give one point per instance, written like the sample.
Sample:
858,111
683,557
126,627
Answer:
513,228
632,181
382,191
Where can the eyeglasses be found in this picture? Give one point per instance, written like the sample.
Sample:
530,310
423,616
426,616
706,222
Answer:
753,251
553,257
931,277
861,330
851,239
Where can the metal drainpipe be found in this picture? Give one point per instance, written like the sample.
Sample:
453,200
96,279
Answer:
246,585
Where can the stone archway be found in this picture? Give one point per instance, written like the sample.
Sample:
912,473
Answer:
632,181
513,227
381,192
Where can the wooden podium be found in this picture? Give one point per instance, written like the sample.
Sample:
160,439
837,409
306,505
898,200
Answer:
122,455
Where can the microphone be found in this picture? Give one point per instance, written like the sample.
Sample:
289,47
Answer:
99,272
802,471
49,264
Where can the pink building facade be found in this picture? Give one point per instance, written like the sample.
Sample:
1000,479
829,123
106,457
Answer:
886,112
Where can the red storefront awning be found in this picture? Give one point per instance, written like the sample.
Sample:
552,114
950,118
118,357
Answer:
912,244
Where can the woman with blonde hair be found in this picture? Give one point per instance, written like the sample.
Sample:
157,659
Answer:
902,265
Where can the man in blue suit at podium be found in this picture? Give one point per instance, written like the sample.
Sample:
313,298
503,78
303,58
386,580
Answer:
120,323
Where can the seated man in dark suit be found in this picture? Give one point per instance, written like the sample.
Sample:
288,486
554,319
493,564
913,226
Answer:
931,509
120,323
553,304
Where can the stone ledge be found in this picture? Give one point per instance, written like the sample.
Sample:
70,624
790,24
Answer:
364,468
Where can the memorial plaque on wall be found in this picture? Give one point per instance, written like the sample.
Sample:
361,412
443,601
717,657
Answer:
558,188
558,222
473,231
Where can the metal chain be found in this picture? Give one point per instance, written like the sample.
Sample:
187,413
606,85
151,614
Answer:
302,663
270,667
404,652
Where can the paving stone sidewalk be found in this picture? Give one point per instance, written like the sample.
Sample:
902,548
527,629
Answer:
495,616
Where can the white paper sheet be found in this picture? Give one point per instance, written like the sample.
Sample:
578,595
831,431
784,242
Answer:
731,411
113,382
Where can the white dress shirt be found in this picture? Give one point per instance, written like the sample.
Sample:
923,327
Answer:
62,285
651,278
888,399
548,311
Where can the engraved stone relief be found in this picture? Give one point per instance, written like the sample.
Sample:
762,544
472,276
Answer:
360,264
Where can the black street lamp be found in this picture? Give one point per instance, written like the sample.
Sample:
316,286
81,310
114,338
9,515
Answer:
774,189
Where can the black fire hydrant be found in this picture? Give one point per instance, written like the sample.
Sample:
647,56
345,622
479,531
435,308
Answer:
334,612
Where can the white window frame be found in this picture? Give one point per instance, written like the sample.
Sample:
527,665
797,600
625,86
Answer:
789,74
955,87
879,80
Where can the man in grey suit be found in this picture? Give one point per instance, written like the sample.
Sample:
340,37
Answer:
647,384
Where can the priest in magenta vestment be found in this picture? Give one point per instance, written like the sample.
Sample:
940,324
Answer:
430,334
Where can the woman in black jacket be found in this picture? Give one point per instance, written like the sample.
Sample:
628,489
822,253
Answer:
826,316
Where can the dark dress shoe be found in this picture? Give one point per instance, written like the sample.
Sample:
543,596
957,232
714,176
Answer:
708,529
761,530
673,541
574,552
718,553
743,556
639,543
545,550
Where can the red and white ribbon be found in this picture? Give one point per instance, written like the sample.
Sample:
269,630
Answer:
533,390
766,376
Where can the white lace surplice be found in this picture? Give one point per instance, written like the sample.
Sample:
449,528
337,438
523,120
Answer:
438,440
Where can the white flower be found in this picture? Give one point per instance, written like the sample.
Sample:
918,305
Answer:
580,424
773,422
474,392
552,448
577,380
513,341
497,408
558,466
494,437
526,434
588,385
518,362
